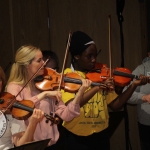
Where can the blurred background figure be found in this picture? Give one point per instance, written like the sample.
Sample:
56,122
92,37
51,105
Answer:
146,58
54,64
53,59
141,97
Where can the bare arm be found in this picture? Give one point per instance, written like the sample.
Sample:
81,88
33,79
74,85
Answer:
119,102
84,97
27,136
79,96
55,94
88,95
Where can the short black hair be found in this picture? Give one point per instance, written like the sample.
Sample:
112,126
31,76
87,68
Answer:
80,41
53,55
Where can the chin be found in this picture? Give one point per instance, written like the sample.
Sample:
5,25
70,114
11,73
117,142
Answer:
90,68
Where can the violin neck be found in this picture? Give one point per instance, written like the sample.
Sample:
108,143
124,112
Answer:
119,73
78,81
29,109
23,107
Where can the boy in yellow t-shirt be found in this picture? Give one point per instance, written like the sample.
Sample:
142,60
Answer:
89,130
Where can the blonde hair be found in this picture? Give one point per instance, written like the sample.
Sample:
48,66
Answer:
24,56
2,76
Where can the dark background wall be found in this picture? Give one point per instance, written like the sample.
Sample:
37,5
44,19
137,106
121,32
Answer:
47,23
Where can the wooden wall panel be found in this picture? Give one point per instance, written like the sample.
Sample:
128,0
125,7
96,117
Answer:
30,23
5,35
92,17
86,15
148,23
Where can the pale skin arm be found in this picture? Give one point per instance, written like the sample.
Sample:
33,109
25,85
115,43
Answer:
27,136
58,96
146,98
85,84
55,94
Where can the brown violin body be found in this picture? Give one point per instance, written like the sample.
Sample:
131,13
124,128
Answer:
20,110
16,108
122,81
71,82
6,102
51,80
102,73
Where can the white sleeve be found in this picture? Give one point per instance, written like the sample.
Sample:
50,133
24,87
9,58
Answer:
17,126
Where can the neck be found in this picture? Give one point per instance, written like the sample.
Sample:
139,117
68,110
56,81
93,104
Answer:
79,68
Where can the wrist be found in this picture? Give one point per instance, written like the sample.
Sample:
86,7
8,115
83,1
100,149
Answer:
134,85
144,98
32,124
45,94
77,98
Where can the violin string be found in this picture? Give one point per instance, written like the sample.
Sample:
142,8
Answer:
9,106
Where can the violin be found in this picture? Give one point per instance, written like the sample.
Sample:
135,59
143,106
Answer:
20,110
122,76
101,72
71,82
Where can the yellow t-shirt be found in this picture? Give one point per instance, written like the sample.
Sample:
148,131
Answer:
94,115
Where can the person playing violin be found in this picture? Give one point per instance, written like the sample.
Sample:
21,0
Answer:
89,130
16,133
141,97
28,60
53,63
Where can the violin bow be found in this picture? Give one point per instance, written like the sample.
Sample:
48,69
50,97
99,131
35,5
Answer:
65,58
26,84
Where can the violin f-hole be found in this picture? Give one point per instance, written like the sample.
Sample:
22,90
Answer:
1,101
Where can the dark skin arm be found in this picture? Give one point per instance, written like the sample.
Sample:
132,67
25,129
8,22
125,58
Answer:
89,94
119,102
